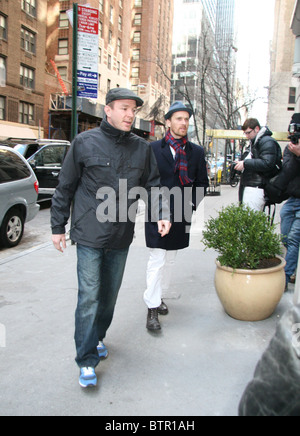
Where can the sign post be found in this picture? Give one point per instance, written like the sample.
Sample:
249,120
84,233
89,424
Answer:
74,126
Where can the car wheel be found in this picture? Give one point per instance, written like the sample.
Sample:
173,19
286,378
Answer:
12,229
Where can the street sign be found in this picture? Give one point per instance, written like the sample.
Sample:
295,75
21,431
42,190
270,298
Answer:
87,62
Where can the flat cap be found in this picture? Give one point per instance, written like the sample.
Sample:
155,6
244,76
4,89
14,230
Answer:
178,107
123,94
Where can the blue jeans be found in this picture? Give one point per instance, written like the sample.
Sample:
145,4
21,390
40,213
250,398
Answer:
100,275
290,229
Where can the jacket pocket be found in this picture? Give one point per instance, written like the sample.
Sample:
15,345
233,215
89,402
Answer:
98,171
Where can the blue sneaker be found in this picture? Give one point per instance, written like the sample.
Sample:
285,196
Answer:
87,377
102,350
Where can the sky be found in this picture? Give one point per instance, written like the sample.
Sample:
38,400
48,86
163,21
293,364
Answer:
255,24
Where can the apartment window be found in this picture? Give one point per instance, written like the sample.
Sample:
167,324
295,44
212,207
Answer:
138,3
135,72
101,5
2,108
119,45
292,96
27,77
29,6
26,112
100,55
109,62
28,40
63,47
121,4
137,37
118,68
138,19
101,29
63,71
2,71
120,23
111,15
108,85
110,35
63,20
3,27
136,55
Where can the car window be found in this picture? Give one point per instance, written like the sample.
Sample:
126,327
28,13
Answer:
27,150
51,156
12,168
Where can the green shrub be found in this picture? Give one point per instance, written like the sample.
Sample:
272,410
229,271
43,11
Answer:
243,237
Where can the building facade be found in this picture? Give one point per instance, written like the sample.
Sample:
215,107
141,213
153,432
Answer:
135,44
22,67
151,55
284,86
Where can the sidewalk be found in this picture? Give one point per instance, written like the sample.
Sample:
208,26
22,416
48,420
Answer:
198,365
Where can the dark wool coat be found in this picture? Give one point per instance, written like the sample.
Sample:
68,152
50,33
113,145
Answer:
178,237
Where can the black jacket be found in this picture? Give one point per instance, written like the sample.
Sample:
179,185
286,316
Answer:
287,183
179,237
99,159
266,160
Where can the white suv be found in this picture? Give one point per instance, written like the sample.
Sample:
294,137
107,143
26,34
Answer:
18,196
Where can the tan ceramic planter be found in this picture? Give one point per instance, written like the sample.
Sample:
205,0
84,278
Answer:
250,295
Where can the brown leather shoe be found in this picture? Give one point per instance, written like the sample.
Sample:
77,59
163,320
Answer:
163,308
152,320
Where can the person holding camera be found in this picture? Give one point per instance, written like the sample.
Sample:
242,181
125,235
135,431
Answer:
287,186
262,162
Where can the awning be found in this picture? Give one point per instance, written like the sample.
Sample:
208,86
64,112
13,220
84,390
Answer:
239,134
18,132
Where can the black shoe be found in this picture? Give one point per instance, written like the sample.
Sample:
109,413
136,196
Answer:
163,308
152,320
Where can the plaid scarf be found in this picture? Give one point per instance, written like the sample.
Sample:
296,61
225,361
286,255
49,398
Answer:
181,164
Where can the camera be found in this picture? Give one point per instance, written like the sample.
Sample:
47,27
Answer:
294,130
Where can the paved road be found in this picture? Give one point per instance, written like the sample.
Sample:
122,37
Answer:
199,365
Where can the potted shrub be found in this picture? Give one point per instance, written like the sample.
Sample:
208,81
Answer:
250,277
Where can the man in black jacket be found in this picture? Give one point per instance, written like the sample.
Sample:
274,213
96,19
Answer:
100,169
287,185
261,164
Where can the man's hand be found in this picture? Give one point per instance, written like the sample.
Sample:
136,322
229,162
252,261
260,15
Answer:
164,227
59,242
240,166
295,148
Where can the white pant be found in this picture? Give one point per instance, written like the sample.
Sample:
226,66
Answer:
159,274
254,198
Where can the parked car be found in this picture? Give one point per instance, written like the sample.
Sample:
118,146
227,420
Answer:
18,196
46,162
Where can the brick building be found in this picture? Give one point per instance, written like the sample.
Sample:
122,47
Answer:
22,67
151,55
135,46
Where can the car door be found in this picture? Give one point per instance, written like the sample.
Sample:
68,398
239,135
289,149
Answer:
47,163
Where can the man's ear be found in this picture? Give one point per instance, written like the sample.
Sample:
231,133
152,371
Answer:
168,124
107,110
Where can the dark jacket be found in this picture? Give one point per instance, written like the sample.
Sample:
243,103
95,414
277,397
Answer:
266,160
99,158
179,237
287,183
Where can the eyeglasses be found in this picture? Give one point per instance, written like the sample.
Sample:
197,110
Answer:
248,133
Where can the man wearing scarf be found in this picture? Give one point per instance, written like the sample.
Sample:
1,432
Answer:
182,165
